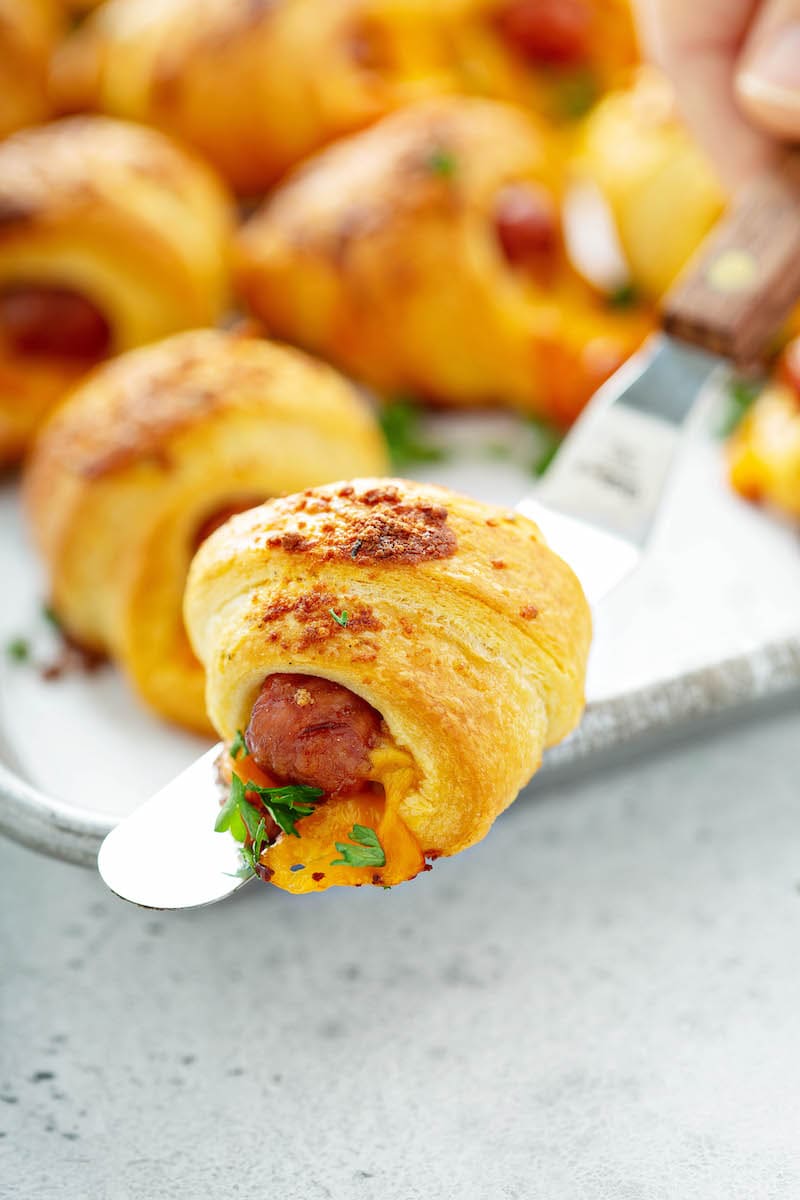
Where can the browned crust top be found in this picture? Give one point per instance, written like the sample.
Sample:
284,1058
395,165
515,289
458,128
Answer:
376,525
130,409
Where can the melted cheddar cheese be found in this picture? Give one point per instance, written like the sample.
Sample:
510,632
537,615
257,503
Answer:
305,863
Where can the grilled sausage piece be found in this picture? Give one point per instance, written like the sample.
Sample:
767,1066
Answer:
39,319
556,32
304,729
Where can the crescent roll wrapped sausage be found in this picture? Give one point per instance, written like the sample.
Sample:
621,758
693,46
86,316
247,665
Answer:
147,456
255,86
110,237
396,657
29,30
424,256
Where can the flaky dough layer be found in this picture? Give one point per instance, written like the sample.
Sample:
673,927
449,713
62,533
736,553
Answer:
153,444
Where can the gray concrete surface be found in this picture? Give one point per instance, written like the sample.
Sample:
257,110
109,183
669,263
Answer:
601,1001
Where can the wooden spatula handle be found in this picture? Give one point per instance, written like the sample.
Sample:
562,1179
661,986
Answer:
745,277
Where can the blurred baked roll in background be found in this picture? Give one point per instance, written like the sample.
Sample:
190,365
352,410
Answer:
425,256
554,57
147,456
764,451
29,31
110,236
660,189
407,651
254,86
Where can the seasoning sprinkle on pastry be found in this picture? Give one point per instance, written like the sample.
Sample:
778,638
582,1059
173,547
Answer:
386,661
110,237
152,453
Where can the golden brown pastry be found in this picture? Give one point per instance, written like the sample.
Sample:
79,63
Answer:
659,187
554,57
425,256
29,30
110,237
764,451
147,456
397,657
255,86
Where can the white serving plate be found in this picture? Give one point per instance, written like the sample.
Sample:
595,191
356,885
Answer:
711,620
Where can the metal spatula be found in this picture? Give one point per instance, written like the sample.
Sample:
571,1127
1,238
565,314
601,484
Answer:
596,507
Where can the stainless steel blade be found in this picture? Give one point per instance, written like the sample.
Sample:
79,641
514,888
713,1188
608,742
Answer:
166,853
602,493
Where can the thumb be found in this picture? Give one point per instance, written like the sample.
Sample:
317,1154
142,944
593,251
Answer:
768,73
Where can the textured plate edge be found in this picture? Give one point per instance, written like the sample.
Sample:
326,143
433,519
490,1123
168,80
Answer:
74,835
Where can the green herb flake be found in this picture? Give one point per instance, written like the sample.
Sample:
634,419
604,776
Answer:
248,866
259,839
339,619
401,420
237,827
251,817
549,441
238,745
51,616
442,162
625,296
18,650
367,851
231,806
741,393
575,93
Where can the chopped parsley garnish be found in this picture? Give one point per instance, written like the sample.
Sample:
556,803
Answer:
19,650
238,745
285,805
574,93
401,423
366,852
442,162
549,441
51,616
339,619
740,395
258,840
625,296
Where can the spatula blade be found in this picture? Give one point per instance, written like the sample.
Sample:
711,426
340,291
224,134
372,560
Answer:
166,853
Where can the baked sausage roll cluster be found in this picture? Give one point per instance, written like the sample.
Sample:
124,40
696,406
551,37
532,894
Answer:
554,57
660,189
424,256
150,454
110,237
254,86
29,30
395,658
764,451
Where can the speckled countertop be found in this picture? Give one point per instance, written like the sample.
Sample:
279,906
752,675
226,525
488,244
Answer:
601,1001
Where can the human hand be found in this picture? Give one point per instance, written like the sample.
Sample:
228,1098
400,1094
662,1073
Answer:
735,65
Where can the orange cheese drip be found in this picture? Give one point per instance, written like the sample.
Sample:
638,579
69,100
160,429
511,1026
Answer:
315,849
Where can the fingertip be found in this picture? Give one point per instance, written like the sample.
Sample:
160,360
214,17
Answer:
768,83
